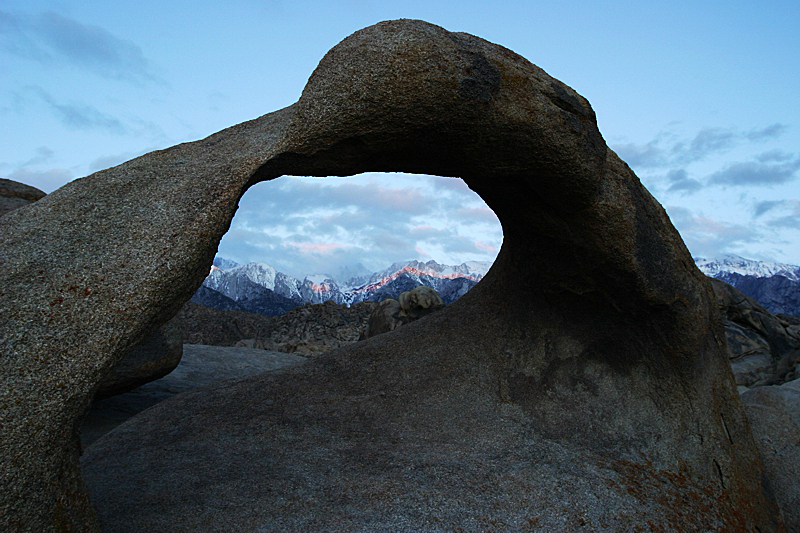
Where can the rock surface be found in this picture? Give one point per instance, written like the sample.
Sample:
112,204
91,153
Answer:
419,302
764,349
598,399
774,414
14,195
200,366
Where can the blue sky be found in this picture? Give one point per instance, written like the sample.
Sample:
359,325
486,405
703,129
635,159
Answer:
700,98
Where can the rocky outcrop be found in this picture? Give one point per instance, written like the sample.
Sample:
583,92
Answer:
156,357
313,329
764,349
386,316
778,294
774,414
204,325
391,313
599,398
14,195
306,330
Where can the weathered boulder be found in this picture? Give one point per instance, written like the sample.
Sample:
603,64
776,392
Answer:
599,398
156,357
391,313
419,302
14,195
387,316
774,415
764,349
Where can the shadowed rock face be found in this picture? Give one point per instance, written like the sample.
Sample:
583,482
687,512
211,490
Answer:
597,399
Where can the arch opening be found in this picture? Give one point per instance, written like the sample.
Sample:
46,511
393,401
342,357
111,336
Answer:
308,226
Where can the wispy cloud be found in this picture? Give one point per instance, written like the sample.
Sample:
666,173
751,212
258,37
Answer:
43,155
681,182
766,206
790,222
707,141
669,150
320,225
711,238
80,116
773,131
51,39
756,173
782,207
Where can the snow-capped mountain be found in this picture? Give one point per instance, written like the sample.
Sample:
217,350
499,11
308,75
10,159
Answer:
225,264
776,286
734,264
244,282
248,282
430,274
258,287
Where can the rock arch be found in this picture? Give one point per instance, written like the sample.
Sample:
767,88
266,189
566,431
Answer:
595,396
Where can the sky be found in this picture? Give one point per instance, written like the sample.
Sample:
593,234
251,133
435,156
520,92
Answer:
700,98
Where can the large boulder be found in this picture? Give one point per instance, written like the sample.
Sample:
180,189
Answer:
764,349
774,415
14,195
411,305
599,398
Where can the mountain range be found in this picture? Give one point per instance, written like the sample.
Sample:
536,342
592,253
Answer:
259,288
776,286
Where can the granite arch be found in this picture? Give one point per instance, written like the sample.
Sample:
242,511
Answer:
613,359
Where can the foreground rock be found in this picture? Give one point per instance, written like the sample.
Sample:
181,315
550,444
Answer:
774,414
598,399
200,366
764,349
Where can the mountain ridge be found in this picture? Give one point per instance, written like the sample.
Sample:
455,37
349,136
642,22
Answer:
260,288
775,286
249,281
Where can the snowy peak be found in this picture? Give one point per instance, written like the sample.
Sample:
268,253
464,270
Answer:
243,282
249,281
224,264
734,264
473,270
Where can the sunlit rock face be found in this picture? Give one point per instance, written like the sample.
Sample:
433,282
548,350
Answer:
596,398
